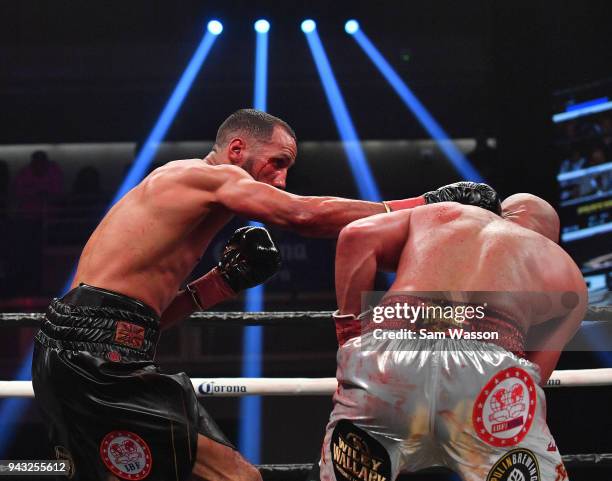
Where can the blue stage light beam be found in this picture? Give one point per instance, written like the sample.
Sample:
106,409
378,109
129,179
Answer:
11,409
151,144
362,174
368,190
261,65
437,133
249,432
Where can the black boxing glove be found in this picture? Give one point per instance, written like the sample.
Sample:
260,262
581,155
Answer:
468,193
249,258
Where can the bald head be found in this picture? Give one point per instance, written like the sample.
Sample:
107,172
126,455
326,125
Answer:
533,213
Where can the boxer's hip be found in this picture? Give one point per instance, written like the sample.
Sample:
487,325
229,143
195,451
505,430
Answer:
409,317
97,386
416,400
433,399
411,372
101,322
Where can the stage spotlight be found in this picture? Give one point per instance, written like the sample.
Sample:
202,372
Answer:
262,26
308,26
460,162
215,27
249,429
147,152
351,26
366,184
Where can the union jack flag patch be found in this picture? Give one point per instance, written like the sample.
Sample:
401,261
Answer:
129,334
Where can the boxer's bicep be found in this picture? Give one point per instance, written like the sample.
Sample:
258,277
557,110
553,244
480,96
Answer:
256,200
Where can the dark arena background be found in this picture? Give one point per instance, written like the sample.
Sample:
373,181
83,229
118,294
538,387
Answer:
413,96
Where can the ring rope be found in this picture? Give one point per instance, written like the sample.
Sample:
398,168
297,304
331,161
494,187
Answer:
236,318
266,318
326,386
300,471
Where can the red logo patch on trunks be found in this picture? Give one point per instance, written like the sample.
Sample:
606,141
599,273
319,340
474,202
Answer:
126,455
505,408
128,334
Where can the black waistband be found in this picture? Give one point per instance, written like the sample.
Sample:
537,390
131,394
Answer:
90,296
97,320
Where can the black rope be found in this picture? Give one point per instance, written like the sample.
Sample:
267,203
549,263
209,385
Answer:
599,313
33,319
586,460
18,319
288,472
272,318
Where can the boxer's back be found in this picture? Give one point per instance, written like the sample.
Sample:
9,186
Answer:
153,237
459,248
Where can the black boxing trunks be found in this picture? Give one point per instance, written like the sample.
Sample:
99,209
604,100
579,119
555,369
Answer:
107,406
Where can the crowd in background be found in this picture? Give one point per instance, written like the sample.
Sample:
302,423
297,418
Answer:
38,211
584,143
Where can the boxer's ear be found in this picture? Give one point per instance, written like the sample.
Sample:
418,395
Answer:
235,151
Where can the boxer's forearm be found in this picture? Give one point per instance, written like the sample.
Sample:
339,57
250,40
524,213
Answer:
546,361
311,216
181,307
203,293
327,216
545,341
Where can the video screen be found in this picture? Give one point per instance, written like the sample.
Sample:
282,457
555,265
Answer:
583,150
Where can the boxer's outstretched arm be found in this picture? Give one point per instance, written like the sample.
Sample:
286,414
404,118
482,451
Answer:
365,246
310,216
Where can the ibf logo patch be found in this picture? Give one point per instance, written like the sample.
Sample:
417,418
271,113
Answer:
505,408
516,465
126,455
357,456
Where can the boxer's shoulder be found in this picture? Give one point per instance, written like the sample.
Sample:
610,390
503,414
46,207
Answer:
198,171
194,173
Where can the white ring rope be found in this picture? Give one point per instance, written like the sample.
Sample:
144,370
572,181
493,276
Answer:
271,386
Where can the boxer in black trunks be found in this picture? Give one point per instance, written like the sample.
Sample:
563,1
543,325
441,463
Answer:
134,264
108,406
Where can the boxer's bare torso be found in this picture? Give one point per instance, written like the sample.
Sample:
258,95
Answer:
150,241
472,255
463,249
